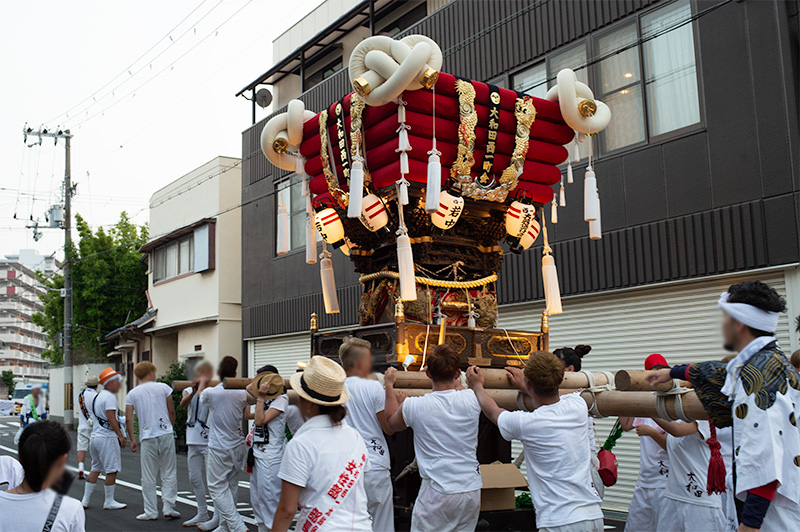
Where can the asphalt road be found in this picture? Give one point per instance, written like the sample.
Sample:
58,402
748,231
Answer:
129,491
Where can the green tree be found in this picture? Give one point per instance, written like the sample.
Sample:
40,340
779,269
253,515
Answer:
109,281
8,380
177,372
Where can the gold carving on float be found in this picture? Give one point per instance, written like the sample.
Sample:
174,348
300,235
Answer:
465,158
361,86
456,341
333,183
587,108
428,78
499,346
356,134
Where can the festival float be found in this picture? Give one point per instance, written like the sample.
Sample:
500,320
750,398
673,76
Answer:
420,177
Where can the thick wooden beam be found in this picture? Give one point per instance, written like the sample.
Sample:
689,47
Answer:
635,380
179,386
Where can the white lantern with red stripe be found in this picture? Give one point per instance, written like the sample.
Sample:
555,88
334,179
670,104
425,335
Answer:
329,226
450,208
373,213
531,235
519,216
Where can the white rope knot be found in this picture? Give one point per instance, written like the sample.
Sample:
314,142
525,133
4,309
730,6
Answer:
283,134
381,68
661,402
580,110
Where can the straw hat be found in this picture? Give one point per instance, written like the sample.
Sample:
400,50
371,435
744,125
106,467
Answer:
92,380
322,382
275,384
109,375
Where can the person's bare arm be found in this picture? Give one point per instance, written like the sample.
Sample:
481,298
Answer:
647,430
626,423
657,376
679,430
396,423
284,514
392,404
129,424
475,380
111,416
186,398
171,409
261,417
248,412
516,378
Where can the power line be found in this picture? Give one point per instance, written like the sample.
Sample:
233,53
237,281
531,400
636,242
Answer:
129,67
213,32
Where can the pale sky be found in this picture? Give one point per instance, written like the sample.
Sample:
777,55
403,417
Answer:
140,134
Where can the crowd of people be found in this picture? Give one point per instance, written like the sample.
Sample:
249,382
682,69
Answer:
324,463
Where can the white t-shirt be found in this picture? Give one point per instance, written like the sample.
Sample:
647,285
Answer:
445,425
268,442
197,414
11,473
558,461
225,414
328,462
105,400
88,395
653,459
29,512
367,398
688,475
149,400
26,412
294,419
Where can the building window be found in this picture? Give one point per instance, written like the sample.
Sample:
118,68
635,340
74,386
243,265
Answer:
173,259
326,70
291,193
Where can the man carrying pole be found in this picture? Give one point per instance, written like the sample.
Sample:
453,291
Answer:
758,392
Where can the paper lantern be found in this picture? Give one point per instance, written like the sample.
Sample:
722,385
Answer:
329,226
450,208
373,213
531,235
519,216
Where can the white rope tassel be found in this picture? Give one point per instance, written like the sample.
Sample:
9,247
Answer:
576,149
329,296
282,229
595,228
433,189
405,265
403,144
404,163
402,138
552,293
562,195
591,205
311,233
402,190
299,165
356,188
569,173
553,211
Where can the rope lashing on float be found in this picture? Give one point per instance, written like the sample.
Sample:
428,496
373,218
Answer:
677,391
594,388
437,283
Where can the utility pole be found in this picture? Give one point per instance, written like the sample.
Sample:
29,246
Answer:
67,266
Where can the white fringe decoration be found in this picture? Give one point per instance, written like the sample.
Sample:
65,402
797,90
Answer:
552,293
404,163
576,150
595,227
282,228
402,190
433,189
591,206
299,165
405,265
554,211
329,296
569,172
356,188
311,233
562,195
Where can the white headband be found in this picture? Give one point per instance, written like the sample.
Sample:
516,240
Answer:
754,317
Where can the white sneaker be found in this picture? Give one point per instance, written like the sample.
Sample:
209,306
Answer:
196,520
146,517
210,525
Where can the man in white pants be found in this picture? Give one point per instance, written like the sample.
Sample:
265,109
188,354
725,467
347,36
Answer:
197,440
226,449
152,403
85,400
368,409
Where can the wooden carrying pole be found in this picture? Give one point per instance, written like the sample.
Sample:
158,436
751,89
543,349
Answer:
496,379
179,386
633,380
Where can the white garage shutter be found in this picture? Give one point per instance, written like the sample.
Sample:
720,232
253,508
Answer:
283,352
680,321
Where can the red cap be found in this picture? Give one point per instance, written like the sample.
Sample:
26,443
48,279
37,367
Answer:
655,360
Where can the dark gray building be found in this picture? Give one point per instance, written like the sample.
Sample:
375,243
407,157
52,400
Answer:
698,172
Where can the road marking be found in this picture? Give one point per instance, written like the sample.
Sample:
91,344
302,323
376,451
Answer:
137,487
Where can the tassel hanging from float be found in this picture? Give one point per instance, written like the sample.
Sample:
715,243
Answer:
299,165
356,188
554,211
329,296
591,206
405,260
311,233
552,293
562,195
433,189
595,227
403,145
282,229
569,173
576,149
